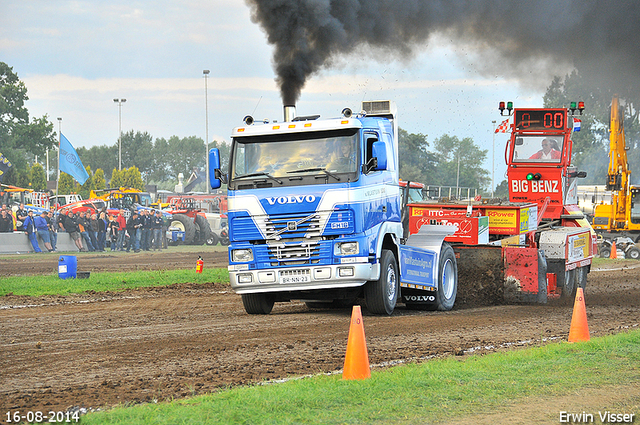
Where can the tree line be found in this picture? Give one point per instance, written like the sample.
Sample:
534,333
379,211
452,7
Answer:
446,161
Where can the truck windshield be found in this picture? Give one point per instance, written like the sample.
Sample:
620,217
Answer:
538,148
290,156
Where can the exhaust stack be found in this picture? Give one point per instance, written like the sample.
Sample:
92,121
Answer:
289,112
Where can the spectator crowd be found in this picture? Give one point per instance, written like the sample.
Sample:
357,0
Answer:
89,230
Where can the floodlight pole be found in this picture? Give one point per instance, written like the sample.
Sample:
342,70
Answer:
206,120
119,102
493,158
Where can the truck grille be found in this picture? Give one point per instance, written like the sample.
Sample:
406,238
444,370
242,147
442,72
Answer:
294,253
293,226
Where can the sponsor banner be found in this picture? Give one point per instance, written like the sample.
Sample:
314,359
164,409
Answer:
469,230
578,246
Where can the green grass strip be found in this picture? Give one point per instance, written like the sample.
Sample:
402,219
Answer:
107,281
439,390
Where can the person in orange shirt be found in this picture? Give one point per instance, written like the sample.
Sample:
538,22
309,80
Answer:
549,150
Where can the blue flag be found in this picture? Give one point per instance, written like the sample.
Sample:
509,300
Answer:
70,163
4,166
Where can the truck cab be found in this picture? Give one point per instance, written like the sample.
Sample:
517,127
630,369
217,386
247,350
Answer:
314,209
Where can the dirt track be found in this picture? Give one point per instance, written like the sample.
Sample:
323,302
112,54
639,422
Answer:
97,350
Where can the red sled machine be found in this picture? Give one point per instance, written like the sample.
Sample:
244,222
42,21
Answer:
535,246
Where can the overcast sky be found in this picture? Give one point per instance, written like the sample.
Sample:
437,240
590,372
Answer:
75,57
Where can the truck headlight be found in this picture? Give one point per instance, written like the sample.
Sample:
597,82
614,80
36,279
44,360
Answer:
349,248
241,255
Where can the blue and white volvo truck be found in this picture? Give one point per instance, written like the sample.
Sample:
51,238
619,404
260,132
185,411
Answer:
316,214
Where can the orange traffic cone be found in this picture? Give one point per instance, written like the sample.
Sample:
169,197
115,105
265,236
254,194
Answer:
579,328
356,361
614,250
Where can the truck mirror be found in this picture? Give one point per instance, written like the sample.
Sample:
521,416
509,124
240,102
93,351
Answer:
519,141
214,168
379,151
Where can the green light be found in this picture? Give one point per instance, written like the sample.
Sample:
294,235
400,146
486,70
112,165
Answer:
530,176
573,105
509,105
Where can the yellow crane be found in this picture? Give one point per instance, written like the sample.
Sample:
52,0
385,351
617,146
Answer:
622,217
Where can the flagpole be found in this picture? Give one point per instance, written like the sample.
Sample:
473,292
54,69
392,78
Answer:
493,158
59,141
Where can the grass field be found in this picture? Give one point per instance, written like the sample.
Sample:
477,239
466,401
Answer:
444,390
114,281
107,281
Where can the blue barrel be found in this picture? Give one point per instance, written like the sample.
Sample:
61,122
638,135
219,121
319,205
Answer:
67,266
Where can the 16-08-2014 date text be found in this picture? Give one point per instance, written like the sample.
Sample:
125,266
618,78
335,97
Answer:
51,416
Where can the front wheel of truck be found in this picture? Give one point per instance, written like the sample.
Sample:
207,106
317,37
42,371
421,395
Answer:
258,303
381,295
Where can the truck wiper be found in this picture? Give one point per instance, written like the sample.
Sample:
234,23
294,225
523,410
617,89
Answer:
324,170
262,173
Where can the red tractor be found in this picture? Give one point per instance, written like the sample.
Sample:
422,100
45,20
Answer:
188,218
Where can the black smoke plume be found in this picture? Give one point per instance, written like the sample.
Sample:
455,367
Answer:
530,40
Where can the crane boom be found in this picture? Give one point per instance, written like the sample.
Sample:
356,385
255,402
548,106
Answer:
618,178
622,217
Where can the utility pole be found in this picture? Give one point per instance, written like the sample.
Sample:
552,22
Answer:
59,143
119,102
206,126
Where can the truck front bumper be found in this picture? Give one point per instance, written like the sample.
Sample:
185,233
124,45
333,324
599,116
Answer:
302,278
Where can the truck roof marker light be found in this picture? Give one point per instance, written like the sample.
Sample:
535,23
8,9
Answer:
307,125
275,127
292,126
240,130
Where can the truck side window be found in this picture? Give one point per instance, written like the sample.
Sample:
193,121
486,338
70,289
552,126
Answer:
371,139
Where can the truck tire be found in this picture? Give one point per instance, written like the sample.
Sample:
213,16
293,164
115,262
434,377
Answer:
258,303
605,253
381,295
203,229
447,279
185,224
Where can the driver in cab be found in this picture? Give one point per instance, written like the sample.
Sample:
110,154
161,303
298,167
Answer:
343,159
549,150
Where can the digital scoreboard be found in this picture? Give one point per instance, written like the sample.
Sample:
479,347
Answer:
541,119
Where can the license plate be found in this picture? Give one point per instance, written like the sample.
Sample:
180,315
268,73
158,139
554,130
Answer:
295,279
